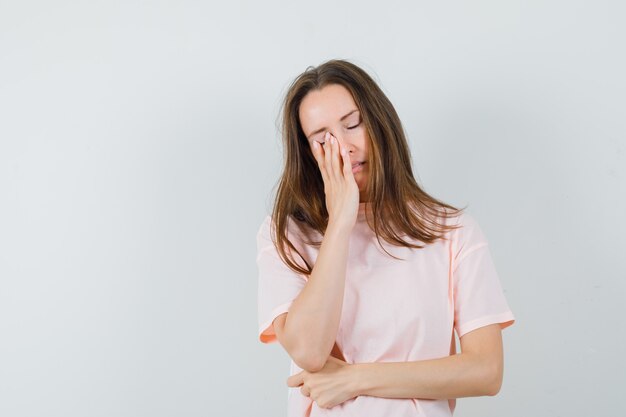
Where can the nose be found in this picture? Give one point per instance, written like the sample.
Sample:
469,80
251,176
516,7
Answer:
345,144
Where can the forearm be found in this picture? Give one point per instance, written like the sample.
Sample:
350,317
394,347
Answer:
456,376
313,319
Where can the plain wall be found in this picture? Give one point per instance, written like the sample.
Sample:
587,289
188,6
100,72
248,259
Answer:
139,152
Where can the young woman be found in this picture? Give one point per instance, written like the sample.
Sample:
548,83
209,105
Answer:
363,276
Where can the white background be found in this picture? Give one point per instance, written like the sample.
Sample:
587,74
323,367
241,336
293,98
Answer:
139,151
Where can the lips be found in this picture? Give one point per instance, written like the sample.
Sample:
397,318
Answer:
356,164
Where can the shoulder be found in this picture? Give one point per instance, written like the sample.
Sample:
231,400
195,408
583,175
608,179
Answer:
469,223
264,234
267,229
468,231
264,227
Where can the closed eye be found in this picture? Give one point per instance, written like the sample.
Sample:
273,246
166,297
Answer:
349,127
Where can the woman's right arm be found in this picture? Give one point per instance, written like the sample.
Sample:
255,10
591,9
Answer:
308,331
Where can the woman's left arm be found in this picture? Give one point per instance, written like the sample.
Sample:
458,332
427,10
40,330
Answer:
476,371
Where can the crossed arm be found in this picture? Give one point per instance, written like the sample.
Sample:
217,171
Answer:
476,371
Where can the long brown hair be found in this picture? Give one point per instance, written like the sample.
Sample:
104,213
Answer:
398,205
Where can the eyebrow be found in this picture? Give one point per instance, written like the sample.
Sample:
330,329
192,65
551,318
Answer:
323,128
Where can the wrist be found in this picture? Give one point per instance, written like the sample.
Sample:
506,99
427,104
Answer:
360,375
338,229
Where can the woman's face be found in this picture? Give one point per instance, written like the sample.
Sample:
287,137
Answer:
332,109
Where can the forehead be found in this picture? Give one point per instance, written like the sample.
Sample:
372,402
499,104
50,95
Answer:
325,105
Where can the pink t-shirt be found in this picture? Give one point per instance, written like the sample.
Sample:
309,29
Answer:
393,310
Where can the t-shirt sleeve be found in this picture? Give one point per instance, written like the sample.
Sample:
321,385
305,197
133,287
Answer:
478,296
278,285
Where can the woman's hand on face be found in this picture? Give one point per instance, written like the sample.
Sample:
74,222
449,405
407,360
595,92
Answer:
328,387
340,187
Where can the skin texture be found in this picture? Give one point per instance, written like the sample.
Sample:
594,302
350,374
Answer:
324,109
476,371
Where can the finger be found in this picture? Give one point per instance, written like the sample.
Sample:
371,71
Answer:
334,158
295,380
318,153
305,391
347,165
327,157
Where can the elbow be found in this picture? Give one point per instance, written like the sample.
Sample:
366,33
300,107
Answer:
492,390
304,355
310,358
309,365
494,381
309,361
